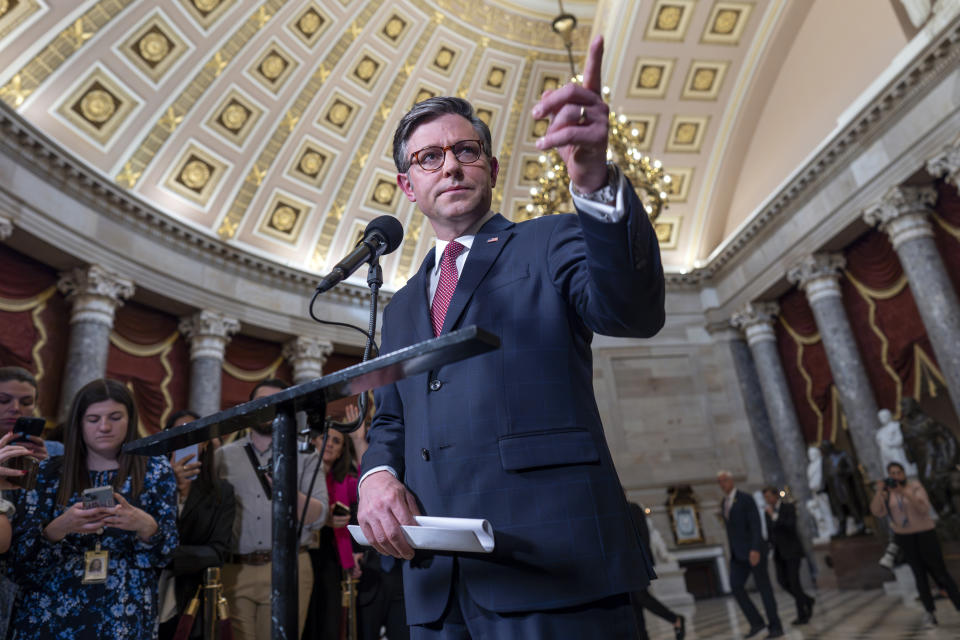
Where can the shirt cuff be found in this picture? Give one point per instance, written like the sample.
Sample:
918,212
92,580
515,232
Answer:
382,467
601,211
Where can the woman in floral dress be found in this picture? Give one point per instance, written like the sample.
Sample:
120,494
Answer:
64,592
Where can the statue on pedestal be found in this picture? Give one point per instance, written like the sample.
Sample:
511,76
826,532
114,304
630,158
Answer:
842,483
890,440
933,449
819,504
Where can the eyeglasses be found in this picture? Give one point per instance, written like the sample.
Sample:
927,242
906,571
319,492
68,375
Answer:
432,158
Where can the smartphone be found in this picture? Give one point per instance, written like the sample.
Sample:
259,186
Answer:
180,454
340,509
28,427
98,497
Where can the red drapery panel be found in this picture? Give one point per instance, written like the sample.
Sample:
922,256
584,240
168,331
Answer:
247,361
886,324
34,323
336,362
805,365
149,355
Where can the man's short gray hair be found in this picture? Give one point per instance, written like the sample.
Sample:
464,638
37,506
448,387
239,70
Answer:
428,110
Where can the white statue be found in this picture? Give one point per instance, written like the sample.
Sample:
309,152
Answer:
890,440
819,504
657,546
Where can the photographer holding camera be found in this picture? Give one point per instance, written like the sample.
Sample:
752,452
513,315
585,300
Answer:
906,507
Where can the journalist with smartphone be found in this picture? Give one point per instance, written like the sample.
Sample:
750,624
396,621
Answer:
18,403
94,534
905,506
205,512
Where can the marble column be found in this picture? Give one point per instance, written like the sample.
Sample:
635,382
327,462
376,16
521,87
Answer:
756,321
904,214
766,445
6,228
208,333
306,355
94,295
819,278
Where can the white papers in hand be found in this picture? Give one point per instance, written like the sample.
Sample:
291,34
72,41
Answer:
443,534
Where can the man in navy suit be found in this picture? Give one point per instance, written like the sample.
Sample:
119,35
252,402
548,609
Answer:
748,555
788,551
514,435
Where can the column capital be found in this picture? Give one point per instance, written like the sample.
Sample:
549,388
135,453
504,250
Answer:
946,164
6,228
208,332
756,320
904,213
818,275
94,293
307,356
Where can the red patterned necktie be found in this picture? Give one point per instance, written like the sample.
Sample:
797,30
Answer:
445,286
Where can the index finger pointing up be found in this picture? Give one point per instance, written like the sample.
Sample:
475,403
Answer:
591,68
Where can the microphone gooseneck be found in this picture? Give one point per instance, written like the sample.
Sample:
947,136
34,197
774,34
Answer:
382,236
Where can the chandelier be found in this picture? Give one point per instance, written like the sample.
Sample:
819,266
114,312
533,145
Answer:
552,192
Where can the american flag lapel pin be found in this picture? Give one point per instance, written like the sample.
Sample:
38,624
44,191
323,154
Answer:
493,239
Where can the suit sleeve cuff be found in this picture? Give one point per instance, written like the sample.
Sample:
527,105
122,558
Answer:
605,212
382,467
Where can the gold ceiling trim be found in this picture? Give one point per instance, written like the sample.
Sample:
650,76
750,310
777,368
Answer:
134,168
502,23
251,184
517,112
335,211
64,45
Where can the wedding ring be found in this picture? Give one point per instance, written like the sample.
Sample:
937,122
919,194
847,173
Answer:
583,115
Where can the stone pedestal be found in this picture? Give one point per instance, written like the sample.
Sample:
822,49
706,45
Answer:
670,587
855,562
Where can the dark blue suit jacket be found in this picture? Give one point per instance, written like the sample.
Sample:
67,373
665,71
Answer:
743,527
514,435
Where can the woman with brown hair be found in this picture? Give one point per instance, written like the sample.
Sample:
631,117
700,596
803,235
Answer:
60,536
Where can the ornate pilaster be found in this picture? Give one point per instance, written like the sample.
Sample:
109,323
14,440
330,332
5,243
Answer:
766,445
94,295
946,164
6,228
819,277
756,321
208,333
306,355
904,214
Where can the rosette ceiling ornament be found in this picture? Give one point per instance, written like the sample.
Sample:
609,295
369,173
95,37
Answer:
552,192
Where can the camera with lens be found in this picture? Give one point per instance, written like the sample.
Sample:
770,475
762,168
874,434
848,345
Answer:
890,483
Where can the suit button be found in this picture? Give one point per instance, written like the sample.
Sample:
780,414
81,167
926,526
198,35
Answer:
435,385
425,454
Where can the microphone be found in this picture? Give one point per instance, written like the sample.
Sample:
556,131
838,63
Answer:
383,235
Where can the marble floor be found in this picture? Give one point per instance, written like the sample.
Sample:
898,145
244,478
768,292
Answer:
838,615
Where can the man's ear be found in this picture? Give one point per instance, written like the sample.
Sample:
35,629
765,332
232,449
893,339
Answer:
494,171
403,181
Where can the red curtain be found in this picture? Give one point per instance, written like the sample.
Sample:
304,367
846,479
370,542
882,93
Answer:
886,324
150,356
247,361
807,370
34,323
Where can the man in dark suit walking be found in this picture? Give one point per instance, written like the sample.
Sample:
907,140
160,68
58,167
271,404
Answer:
514,435
748,556
787,550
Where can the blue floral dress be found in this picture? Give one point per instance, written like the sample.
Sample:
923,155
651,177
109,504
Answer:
53,601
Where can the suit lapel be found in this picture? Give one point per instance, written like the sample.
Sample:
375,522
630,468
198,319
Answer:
420,301
487,245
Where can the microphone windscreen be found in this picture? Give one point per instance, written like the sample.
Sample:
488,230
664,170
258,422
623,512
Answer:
390,228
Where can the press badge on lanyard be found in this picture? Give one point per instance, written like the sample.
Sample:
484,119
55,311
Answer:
95,565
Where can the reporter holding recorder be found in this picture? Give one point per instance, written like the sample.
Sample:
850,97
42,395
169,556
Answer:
905,506
65,592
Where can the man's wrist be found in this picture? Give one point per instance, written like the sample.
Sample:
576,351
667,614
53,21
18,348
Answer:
606,193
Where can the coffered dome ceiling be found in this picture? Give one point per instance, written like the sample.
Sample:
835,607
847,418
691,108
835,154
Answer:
268,124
